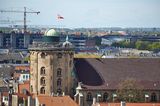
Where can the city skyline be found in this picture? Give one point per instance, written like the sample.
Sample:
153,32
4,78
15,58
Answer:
82,13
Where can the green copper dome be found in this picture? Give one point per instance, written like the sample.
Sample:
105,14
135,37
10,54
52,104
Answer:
51,32
51,36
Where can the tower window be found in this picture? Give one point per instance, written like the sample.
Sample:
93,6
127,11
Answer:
89,97
42,71
43,55
59,55
42,81
59,82
42,90
59,72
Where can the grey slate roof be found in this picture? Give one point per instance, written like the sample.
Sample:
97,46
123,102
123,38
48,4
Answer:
11,56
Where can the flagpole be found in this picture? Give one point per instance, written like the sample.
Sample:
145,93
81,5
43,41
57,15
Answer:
59,17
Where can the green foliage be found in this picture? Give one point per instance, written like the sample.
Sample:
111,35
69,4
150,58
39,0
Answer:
130,91
140,45
125,44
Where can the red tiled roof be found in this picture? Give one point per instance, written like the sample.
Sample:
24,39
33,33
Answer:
5,93
56,101
22,67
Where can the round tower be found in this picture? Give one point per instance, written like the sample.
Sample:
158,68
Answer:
51,66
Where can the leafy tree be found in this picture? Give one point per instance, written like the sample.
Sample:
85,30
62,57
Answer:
130,91
142,45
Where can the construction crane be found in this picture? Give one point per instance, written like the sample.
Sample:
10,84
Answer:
25,15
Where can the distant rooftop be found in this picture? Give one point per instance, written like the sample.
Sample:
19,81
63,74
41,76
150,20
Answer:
56,101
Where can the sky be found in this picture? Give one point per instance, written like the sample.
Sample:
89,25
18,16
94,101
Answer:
86,13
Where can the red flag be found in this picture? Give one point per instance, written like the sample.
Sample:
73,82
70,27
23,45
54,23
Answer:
60,17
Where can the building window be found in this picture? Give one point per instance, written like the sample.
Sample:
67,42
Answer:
42,90
59,72
6,98
59,55
153,97
42,81
43,55
59,82
18,62
27,77
89,97
23,76
42,71
105,97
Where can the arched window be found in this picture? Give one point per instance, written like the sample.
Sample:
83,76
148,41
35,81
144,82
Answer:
59,72
89,96
105,97
42,90
43,55
42,81
153,97
59,82
43,71
59,55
